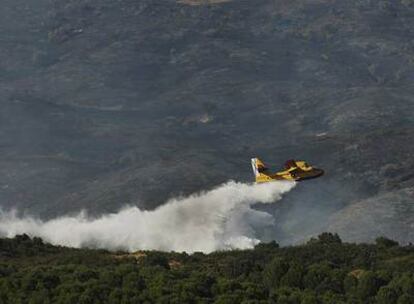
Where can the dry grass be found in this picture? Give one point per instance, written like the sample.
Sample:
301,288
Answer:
138,255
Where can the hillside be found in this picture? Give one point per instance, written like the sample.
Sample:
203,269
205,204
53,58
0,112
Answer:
107,103
324,270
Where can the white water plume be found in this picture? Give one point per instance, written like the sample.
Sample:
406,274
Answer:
222,218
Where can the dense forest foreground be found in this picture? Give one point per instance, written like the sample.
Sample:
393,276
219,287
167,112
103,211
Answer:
324,270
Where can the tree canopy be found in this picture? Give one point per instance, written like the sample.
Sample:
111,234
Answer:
324,270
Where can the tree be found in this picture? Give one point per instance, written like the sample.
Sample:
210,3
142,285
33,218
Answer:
332,298
384,242
329,238
407,284
309,298
286,295
274,271
405,299
350,283
133,281
84,274
39,297
267,246
228,299
367,285
50,281
156,259
317,276
404,284
115,296
254,291
386,295
293,277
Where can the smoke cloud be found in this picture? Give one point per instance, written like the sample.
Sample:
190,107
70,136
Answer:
222,218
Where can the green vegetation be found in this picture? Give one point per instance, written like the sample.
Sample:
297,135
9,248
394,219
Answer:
324,270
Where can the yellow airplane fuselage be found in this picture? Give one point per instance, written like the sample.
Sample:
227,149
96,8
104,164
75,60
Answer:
297,171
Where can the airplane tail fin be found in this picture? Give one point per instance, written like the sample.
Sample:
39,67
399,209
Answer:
259,169
254,167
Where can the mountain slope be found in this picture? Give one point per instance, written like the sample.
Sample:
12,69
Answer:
106,103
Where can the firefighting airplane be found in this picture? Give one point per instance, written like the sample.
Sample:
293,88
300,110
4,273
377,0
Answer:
295,170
